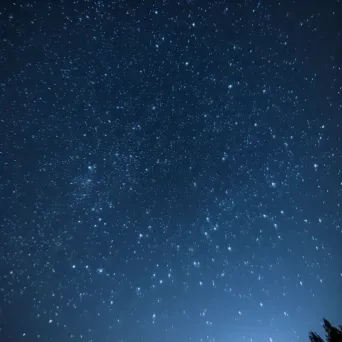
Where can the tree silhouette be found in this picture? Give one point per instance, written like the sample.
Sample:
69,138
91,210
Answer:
333,334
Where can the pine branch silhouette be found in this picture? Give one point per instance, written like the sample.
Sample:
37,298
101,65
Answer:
332,334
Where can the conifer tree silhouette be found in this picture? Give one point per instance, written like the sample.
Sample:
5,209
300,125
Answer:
333,334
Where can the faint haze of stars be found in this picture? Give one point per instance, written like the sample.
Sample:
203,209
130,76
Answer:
170,172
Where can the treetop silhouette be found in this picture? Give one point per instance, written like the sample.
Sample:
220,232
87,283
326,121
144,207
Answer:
333,334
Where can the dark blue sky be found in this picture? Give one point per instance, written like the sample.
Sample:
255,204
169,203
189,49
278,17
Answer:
170,171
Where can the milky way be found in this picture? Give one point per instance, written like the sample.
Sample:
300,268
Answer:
171,171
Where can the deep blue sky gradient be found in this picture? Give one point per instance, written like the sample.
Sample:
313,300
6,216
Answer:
171,171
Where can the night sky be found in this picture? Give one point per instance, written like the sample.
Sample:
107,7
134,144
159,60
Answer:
170,171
